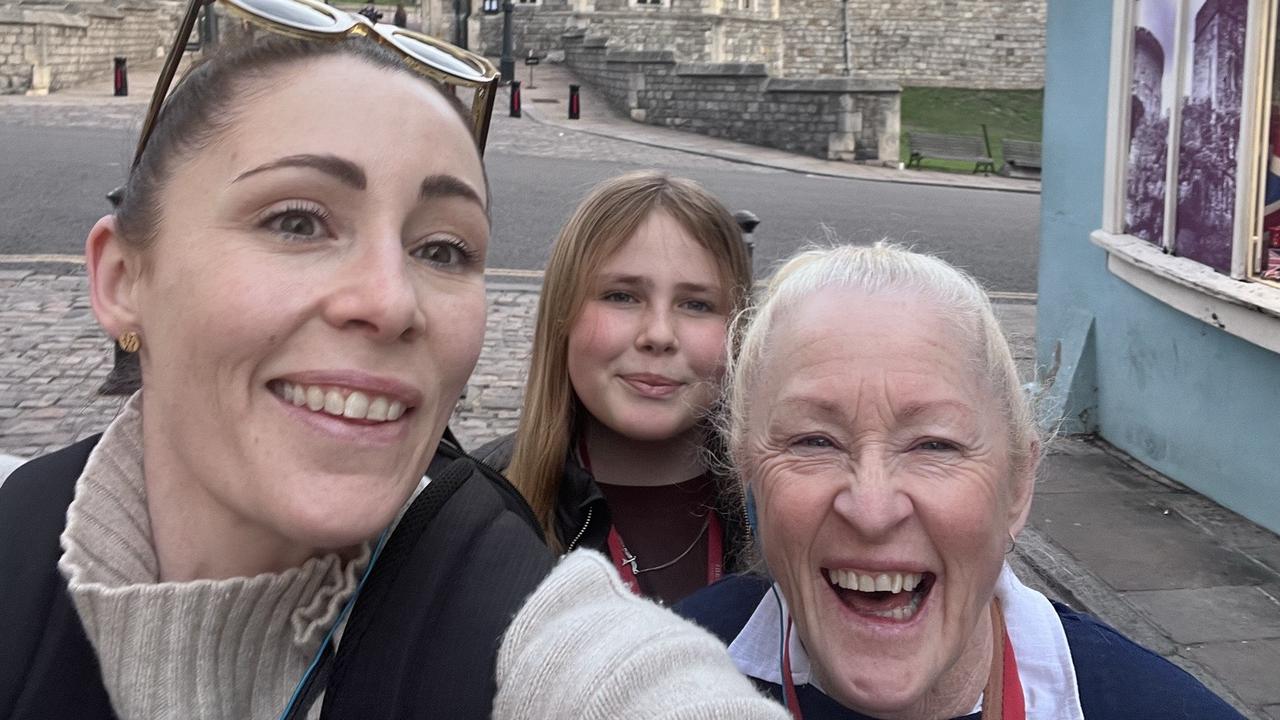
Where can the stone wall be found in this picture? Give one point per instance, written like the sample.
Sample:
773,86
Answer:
831,118
954,43
60,45
532,29
693,36
958,43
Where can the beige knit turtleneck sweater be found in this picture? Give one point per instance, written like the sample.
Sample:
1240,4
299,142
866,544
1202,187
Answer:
231,648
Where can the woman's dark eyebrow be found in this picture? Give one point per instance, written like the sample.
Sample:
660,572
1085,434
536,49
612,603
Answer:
435,186
344,170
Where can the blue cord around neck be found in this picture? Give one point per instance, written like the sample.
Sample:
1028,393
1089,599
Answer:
333,629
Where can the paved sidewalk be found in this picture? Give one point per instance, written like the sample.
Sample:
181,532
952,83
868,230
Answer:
548,102
1169,568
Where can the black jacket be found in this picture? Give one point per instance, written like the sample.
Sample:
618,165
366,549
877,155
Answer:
582,515
421,641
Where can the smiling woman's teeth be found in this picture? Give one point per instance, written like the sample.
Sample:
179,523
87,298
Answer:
354,406
887,587
883,582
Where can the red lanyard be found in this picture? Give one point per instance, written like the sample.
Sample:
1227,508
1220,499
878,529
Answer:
1012,706
626,562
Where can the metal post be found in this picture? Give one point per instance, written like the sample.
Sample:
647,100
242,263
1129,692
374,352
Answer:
747,221
209,27
848,55
461,11
515,98
120,78
507,64
575,105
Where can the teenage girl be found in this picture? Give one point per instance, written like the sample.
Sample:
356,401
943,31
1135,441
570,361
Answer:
628,352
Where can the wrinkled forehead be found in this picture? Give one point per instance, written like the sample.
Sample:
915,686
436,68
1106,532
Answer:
909,346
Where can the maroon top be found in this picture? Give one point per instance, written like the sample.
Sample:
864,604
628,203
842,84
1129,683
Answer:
659,523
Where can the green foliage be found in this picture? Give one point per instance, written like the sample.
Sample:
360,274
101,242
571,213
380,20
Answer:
1016,114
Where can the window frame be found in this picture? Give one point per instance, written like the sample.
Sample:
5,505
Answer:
1152,268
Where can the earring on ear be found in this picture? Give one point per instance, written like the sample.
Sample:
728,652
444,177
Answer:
1012,543
129,342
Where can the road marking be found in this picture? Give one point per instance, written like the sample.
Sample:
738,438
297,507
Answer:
510,273
27,259
513,273
998,296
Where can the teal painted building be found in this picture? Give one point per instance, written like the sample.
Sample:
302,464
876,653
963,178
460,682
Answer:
1159,310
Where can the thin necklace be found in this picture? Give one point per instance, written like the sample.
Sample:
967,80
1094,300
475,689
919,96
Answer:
629,559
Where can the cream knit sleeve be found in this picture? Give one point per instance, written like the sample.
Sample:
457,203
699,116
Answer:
583,646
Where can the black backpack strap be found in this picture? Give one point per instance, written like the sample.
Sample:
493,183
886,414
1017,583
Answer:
423,636
382,577
401,544
450,450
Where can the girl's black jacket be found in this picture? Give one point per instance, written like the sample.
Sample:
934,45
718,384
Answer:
582,515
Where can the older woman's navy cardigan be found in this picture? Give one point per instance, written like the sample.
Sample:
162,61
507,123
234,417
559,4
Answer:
1117,678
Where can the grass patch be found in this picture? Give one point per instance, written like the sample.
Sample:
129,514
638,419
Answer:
1014,114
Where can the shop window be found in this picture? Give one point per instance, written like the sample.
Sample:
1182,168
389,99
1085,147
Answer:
1186,90
1191,208
1267,257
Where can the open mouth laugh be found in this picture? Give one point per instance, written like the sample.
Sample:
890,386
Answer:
892,596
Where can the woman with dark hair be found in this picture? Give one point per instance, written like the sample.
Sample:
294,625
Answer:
628,350
298,263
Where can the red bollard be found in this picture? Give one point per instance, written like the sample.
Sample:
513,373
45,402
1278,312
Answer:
515,98
575,108
120,78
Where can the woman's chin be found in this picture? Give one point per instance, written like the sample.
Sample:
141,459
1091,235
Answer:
340,521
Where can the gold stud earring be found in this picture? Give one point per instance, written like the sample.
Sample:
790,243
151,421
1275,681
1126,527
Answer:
129,342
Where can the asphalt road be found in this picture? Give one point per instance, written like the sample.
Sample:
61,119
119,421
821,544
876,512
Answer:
52,181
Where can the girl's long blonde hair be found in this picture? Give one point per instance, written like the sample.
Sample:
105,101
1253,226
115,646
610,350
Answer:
606,219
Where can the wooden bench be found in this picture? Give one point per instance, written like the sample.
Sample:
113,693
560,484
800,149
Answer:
968,148
1021,157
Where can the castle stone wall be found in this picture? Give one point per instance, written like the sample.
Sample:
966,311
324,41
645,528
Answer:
693,36
831,118
955,43
69,44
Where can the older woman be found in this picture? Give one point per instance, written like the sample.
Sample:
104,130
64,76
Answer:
298,262
878,424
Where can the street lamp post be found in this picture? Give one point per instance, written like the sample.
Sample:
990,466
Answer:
507,64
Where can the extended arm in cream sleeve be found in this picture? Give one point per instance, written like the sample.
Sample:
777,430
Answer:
583,646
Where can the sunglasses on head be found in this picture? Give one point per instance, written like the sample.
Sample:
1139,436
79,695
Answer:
311,20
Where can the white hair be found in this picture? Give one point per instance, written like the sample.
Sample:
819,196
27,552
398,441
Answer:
879,269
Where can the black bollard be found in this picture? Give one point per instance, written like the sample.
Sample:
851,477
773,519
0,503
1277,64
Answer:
747,221
575,109
515,98
120,78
